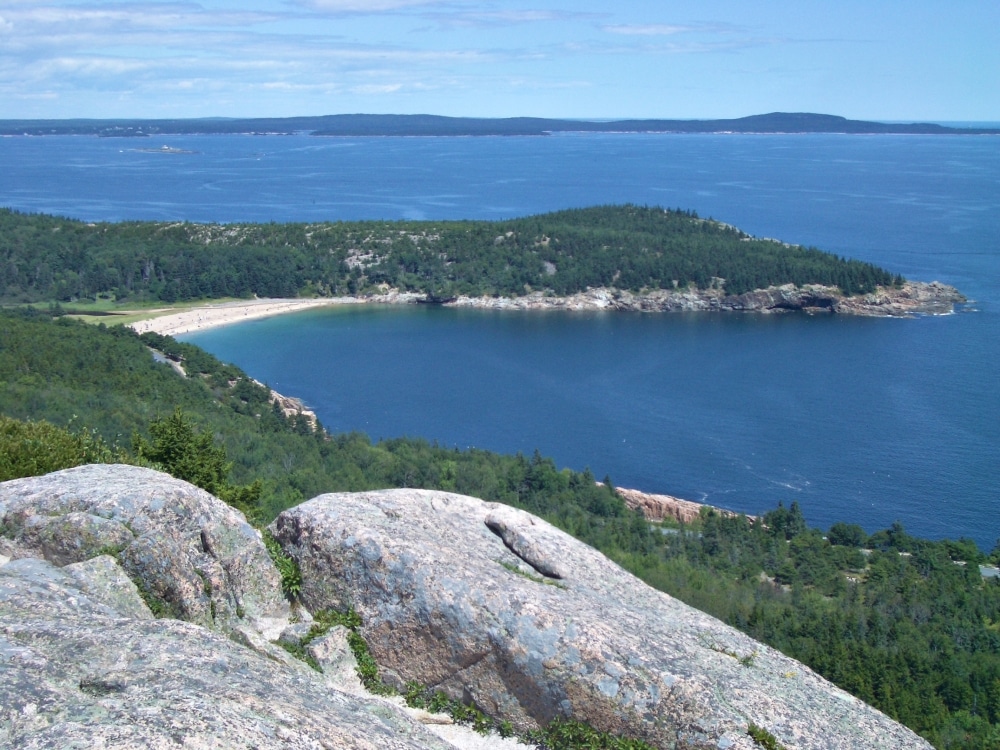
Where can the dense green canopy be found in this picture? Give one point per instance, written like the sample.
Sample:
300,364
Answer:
626,247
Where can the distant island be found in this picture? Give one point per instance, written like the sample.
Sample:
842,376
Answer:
434,125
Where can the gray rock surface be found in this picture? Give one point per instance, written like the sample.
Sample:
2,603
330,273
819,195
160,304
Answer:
912,298
460,594
185,547
83,665
332,652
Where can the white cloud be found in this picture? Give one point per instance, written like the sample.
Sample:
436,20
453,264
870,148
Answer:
371,88
502,17
652,29
44,96
143,15
362,6
211,57
91,67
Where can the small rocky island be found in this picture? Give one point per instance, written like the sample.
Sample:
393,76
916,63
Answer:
137,610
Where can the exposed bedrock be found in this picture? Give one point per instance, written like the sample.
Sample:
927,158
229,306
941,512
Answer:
912,298
83,664
493,605
187,549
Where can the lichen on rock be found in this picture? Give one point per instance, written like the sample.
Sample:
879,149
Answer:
486,603
189,552
432,576
79,667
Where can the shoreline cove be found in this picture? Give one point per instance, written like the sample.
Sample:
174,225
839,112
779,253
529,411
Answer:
912,298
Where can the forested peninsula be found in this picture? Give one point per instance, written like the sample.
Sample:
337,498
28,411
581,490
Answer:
619,257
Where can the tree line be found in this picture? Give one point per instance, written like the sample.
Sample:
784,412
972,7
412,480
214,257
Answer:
46,258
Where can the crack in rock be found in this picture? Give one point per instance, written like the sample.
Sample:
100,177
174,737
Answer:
524,547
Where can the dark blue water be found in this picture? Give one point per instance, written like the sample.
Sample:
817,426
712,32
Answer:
867,421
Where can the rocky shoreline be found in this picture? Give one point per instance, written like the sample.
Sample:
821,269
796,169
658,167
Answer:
910,299
658,508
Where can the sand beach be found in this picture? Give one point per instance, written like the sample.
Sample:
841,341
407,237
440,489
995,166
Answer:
213,315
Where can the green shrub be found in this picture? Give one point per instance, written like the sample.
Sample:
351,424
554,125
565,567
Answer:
764,738
324,620
298,650
29,449
288,567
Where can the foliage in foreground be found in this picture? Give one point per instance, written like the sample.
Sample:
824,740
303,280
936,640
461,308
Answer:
29,449
906,624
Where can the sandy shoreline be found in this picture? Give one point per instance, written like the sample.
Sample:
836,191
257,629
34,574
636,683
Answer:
913,298
211,316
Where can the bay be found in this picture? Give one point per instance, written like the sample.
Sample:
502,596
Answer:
866,421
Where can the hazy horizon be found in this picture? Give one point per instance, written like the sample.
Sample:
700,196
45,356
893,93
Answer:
712,59
623,118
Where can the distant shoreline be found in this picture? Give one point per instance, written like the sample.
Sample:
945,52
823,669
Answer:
362,125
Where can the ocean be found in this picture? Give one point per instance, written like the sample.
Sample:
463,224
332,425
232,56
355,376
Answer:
868,421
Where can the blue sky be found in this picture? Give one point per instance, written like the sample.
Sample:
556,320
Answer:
933,60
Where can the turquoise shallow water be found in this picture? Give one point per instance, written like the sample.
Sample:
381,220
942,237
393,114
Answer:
869,421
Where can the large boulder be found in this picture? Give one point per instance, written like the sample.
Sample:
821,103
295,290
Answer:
193,555
497,607
83,664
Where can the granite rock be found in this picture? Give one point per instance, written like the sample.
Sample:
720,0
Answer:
667,507
462,595
912,298
84,665
184,547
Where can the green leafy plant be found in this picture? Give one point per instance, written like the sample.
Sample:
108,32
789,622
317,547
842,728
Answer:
569,734
419,696
288,567
561,734
112,550
159,606
764,738
298,650
367,667
324,620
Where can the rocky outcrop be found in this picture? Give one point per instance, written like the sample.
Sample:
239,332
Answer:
189,551
666,507
933,298
83,664
912,298
291,407
495,606
482,601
